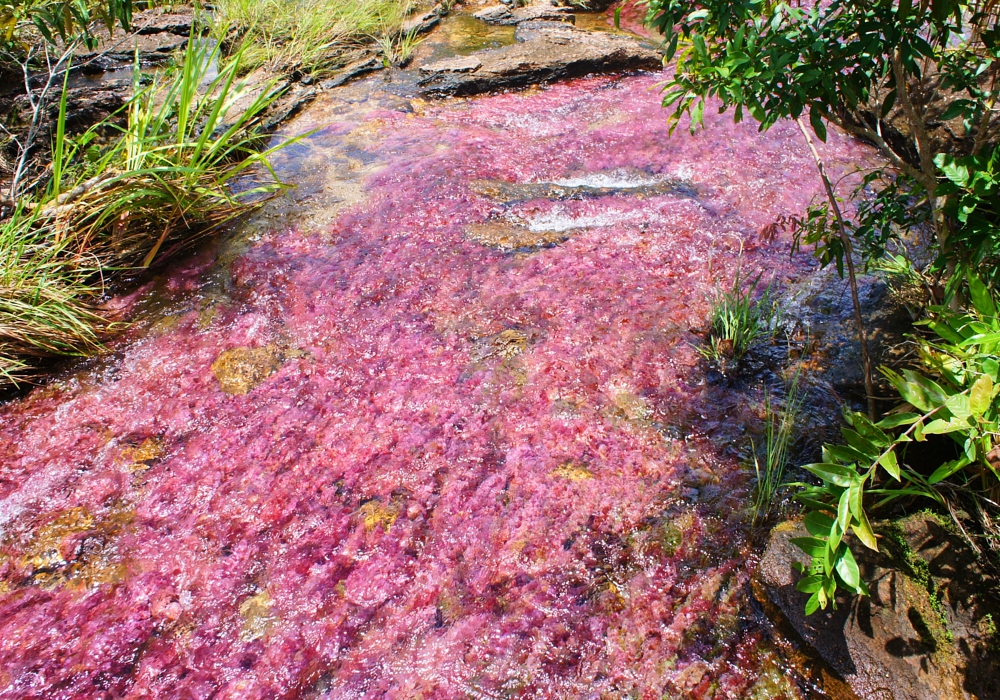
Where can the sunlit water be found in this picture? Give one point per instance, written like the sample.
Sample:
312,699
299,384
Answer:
375,452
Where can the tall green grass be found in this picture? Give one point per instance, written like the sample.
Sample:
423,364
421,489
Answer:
43,293
124,194
742,316
771,458
168,175
312,37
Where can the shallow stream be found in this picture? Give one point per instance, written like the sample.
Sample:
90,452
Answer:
431,426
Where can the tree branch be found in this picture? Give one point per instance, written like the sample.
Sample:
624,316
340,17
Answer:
848,255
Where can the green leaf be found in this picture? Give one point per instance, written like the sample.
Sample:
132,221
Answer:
861,444
810,584
832,473
863,531
847,569
841,453
889,463
843,521
812,605
818,524
992,368
898,419
816,120
813,546
982,300
959,406
943,427
947,469
981,395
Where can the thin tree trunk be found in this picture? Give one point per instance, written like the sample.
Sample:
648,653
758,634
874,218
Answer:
866,361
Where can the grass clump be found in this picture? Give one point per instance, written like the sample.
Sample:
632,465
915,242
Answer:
122,195
743,316
772,459
167,176
311,37
42,312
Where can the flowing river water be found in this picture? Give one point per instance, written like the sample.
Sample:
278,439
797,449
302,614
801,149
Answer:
432,427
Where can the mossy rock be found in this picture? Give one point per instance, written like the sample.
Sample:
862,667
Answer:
925,632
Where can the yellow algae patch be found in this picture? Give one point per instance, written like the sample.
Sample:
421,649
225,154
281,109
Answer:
574,471
240,370
375,514
258,618
506,344
139,458
88,560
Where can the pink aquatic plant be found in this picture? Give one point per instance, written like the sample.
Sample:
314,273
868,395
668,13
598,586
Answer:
384,460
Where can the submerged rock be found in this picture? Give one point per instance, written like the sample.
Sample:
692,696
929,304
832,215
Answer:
551,53
927,632
241,370
510,237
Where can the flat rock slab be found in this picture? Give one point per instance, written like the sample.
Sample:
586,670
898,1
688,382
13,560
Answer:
156,33
927,631
551,53
504,15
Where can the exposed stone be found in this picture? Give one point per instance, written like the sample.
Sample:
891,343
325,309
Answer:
504,15
592,5
421,24
157,33
459,64
240,370
504,345
356,69
616,183
550,54
509,237
926,632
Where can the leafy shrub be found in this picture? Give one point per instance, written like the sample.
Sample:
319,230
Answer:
870,67
954,394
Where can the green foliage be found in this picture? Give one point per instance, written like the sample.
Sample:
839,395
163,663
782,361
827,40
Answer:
167,175
972,191
162,180
63,19
42,311
771,462
397,49
312,37
867,66
742,317
954,394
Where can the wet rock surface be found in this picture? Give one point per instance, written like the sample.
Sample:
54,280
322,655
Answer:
548,53
927,631
520,226
156,33
240,370
503,14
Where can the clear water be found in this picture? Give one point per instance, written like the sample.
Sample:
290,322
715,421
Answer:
368,452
